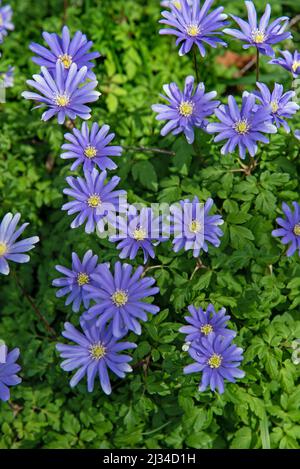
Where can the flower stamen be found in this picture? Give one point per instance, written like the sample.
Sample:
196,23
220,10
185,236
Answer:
206,329
297,229
296,65
139,234
82,279
94,201
242,127
274,106
62,100
90,152
3,249
186,108
215,361
119,298
258,36
97,351
193,30
66,60
195,226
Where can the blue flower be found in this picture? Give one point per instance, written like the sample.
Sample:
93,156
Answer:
290,228
64,95
185,110
8,374
91,148
193,227
289,61
7,78
5,20
94,200
218,359
10,248
95,352
194,25
75,280
65,50
244,127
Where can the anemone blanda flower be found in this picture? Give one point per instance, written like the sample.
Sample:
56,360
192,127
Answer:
120,298
7,78
289,61
95,352
10,248
281,106
65,50
263,35
218,359
194,25
94,199
64,94
74,281
91,147
138,230
244,127
185,110
193,227
203,323
8,374
5,20
290,228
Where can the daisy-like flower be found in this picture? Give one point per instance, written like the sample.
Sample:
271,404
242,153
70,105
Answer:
263,36
281,106
10,248
63,94
91,148
5,20
193,227
139,230
289,61
94,200
218,359
95,352
66,51
8,373
290,228
194,25
74,281
7,78
119,298
185,110
203,323
244,127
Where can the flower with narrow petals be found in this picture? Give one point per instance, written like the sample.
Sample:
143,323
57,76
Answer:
290,228
218,359
281,106
74,281
289,61
8,373
5,20
193,227
64,95
193,25
91,147
95,352
7,78
94,200
65,50
244,127
185,110
263,36
10,248
120,298
203,323
139,230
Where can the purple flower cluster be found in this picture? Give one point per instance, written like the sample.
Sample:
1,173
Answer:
290,228
289,61
209,343
6,24
8,372
7,78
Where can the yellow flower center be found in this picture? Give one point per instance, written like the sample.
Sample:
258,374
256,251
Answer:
62,100
1,20
193,30
139,234
66,60
206,329
97,351
215,361
297,229
177,4
274,106
82,279
242,127
94,201
258,36
90,152
296,65
195,226
186,108
120,298
3,249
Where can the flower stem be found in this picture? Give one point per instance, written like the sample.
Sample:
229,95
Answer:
257,65
150,150
196,64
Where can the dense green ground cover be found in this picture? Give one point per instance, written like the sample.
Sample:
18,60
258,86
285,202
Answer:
155,406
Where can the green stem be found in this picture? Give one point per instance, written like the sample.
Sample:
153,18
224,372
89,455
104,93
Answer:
196,64
257,65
